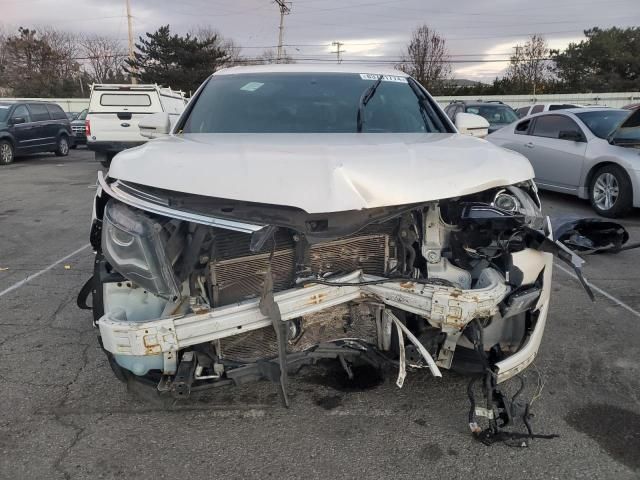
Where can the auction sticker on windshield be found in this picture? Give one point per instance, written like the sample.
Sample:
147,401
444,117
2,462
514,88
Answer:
252,86
385,78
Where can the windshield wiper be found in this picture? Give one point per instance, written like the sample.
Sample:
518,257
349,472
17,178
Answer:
364,99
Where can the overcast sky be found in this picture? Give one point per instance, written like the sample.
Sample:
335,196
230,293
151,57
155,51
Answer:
371,30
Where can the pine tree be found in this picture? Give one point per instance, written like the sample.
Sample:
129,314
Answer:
179,62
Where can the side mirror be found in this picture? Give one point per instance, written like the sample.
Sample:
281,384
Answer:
156,125
571,135
17,120
471,124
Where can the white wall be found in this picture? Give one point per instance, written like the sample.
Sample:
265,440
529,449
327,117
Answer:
618,99
67,104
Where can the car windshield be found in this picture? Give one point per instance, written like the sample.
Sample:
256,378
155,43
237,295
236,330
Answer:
494,114
82,115
310,103
4,112
603,122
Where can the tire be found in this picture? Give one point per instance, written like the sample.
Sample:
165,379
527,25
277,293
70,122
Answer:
611,192
6,152
62,149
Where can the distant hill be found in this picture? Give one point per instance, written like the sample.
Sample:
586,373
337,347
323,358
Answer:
461,83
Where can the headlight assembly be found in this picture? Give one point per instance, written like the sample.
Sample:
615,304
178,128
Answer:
506,201
134,245
516,200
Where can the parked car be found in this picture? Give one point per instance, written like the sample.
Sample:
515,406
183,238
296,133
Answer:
71,115
32,127
496,113
300,212
632,106
79,129
114,112
588,152
544,107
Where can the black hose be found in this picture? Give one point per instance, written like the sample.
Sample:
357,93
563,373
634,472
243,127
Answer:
472,401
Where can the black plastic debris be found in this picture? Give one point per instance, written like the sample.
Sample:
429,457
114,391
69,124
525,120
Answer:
590,235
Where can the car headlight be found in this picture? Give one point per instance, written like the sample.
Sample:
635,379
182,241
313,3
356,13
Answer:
506,201
516,200
133,244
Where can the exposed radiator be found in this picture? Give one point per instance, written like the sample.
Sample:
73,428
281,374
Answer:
236,279
340,322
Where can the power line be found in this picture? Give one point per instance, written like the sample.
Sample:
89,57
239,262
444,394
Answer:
376,60
318,58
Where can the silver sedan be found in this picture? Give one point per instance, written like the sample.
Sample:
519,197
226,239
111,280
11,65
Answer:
593,153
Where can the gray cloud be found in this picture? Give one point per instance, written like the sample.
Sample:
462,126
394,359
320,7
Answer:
372,30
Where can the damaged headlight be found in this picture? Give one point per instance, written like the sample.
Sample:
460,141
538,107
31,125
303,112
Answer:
133,244
516,200
506,201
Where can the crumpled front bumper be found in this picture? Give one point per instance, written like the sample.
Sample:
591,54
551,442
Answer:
443,306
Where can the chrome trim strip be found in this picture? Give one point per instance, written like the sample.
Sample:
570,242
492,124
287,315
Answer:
135,192
129,199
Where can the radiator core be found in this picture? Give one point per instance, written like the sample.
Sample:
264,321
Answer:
241,278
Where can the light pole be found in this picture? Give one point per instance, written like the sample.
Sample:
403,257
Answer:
132,57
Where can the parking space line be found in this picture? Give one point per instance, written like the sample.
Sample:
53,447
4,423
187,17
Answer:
44,270
618,302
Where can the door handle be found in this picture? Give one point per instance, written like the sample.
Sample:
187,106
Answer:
529,145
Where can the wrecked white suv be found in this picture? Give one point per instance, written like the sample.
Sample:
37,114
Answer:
298,213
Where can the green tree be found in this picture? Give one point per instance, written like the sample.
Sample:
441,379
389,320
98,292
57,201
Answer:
607,60
179,62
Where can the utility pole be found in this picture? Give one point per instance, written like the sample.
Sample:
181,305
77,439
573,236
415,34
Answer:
132,57
285,9
338,51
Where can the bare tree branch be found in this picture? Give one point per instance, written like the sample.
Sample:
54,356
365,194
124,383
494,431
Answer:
270,56
530,67
427,58
227,45
104,58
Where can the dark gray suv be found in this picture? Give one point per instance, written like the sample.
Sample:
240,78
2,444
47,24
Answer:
32,127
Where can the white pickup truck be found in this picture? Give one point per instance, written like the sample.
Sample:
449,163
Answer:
114,113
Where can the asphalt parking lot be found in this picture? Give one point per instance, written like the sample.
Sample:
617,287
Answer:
64,415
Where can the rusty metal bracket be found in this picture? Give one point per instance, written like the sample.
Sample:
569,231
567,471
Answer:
445,357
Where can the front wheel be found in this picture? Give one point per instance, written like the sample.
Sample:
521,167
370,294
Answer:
610,192
62,149
6,152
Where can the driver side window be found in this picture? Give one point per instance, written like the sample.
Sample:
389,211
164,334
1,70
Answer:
550,126
21,111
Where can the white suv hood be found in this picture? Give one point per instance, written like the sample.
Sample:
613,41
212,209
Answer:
322,173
